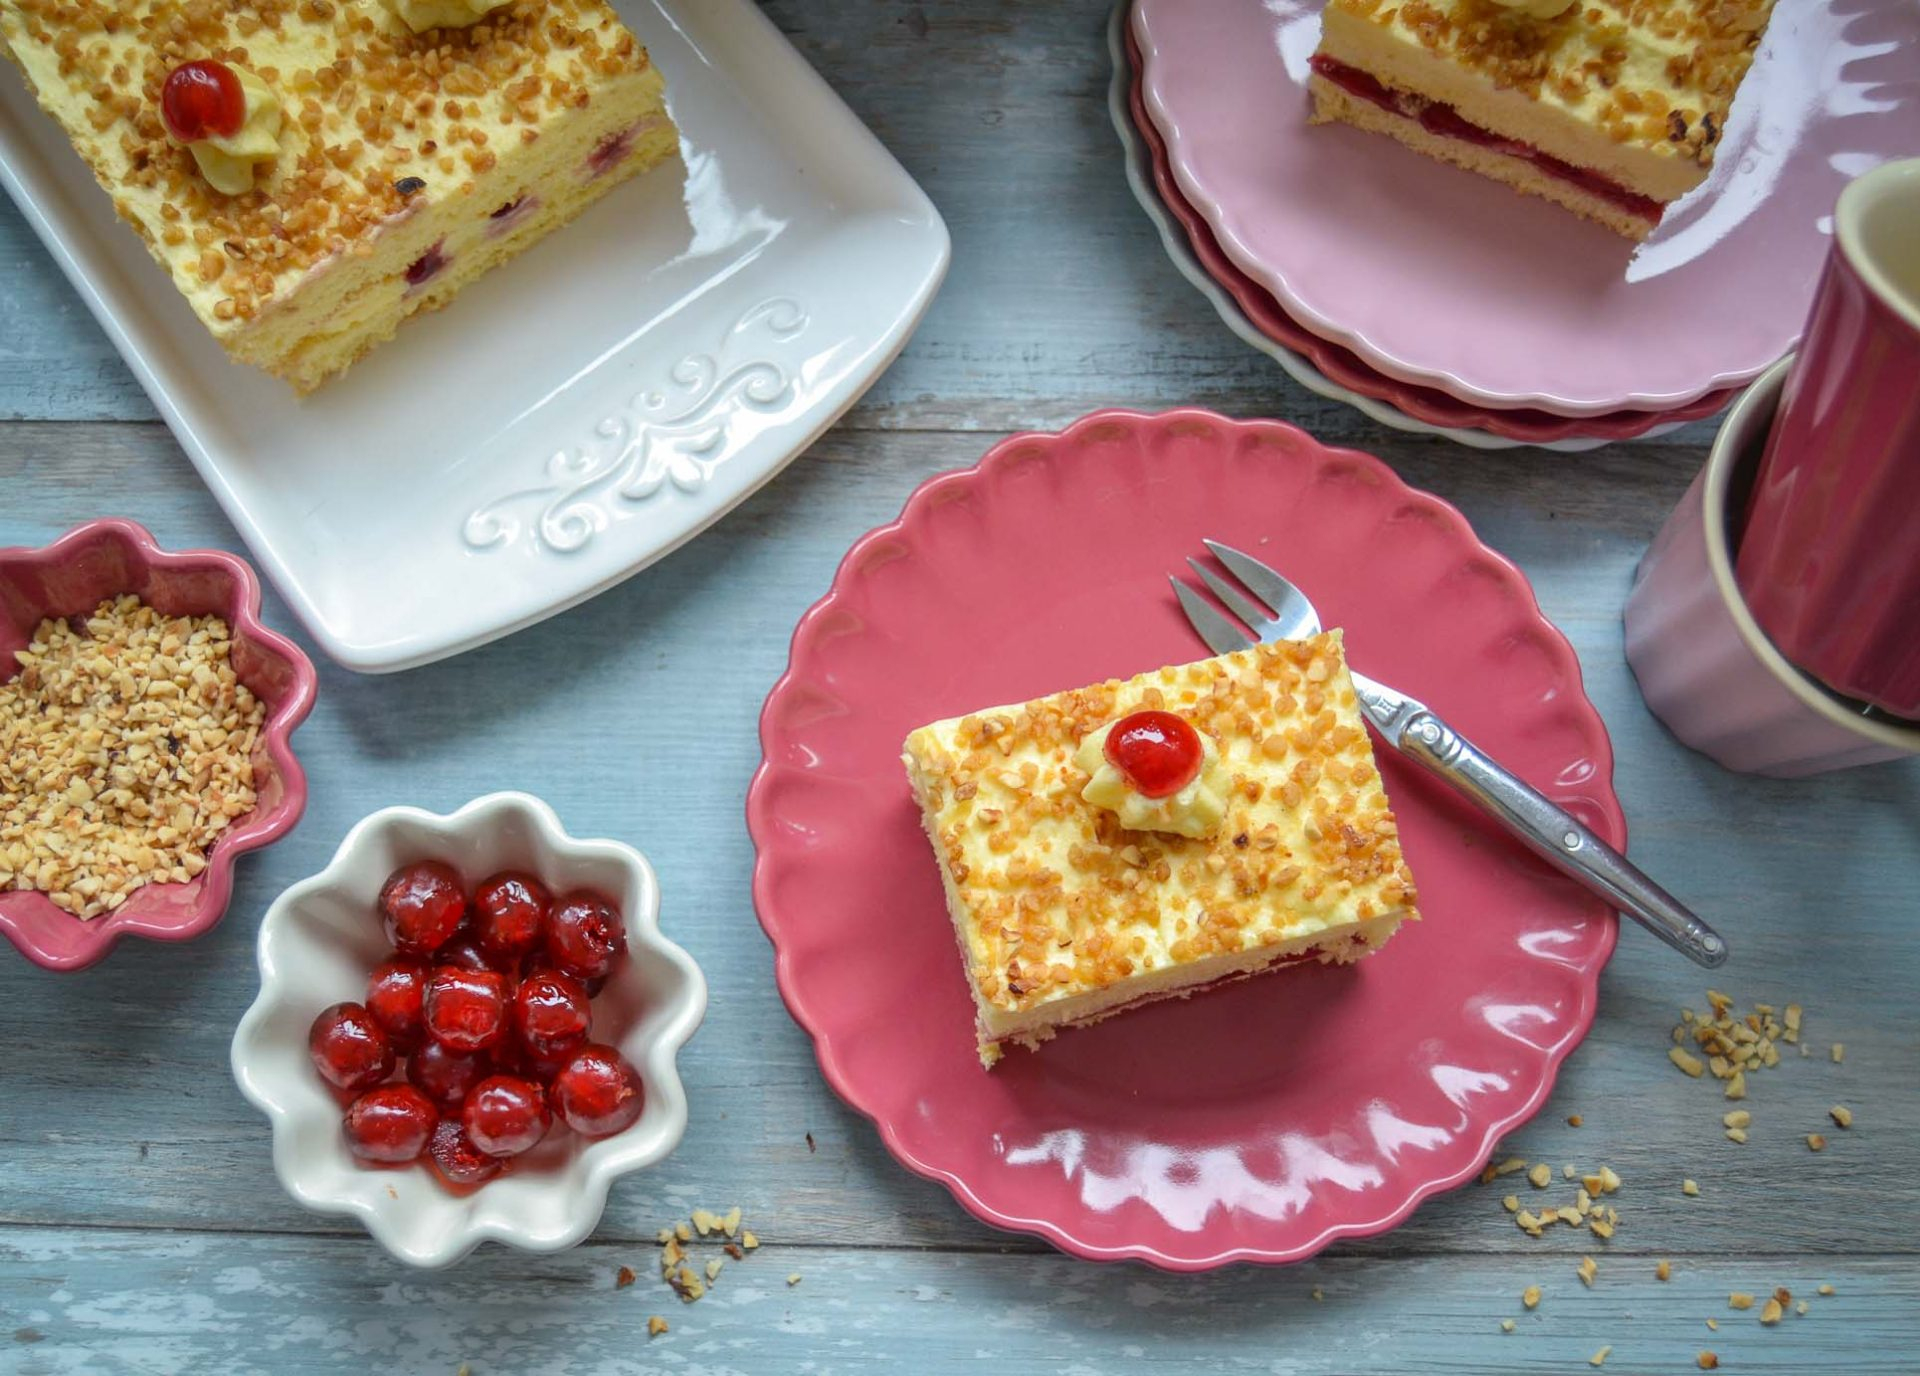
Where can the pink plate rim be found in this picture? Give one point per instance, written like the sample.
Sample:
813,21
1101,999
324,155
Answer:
1346,368
1610,823
1823,147
29,918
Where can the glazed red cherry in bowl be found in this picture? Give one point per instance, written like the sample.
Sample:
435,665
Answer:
435,1062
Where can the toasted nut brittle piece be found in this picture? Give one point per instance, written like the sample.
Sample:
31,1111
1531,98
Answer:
1530,1296
1737,1135
731,1223
713,1268
1601,1228
656,1326
1841,1115
1740,1299
1511,1203
748,1240
1739,1118
1816,1142
1690,1064
1510,1165
1588,1268
1770,1313
1540,1176
1600,1358
1707,1361
794,1279
1689,1187
1663,1270
1737,1085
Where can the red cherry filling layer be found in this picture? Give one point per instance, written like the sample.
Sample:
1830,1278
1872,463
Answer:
1158,752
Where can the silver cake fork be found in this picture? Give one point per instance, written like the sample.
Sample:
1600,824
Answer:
1277,610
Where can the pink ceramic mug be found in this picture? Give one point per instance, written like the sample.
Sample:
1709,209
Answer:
1830,558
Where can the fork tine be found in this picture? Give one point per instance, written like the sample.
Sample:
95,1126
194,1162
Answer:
1220,634
1262,581
1235,601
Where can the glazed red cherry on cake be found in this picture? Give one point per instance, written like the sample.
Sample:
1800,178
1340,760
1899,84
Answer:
390,1124
446,1076
396,997
422,905
202,99
466,1010
457,1159
510,914
585,935
598,1093
1160,753
506,1115
551,1014
348,1047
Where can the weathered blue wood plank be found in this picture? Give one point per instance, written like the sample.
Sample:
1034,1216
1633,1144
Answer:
108,1303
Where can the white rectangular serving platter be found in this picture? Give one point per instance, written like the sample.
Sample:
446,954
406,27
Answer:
574,415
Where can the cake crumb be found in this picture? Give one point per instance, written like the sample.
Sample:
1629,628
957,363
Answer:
1588,1269
1663,1270
1770,1313
1842,1115
1530,1296
748,1240
1540,1176
731,1223
1689,1187
713,1269
1707,1361
656,1326
1816,1142
1511,1203
794,1279
1573,1120
1740,1299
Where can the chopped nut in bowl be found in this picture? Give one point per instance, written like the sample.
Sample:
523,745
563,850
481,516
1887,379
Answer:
145,724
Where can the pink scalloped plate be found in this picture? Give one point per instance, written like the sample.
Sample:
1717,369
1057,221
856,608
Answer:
1443,279
72,576
1257,1122
1346,368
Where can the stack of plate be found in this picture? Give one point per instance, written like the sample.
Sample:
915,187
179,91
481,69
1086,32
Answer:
1439,302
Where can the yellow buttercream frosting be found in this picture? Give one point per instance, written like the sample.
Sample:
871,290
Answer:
228,161
421,15
1196,811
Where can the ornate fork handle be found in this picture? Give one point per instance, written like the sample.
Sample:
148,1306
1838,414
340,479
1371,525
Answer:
1558,836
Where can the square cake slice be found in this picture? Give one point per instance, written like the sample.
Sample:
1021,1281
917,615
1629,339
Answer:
1611,108
1280,848
313,172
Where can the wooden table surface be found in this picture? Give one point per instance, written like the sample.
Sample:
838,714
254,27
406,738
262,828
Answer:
142,1230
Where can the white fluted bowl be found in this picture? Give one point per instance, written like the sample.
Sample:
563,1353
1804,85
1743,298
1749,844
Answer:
322,937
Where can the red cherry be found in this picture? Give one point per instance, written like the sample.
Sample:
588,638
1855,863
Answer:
390,1124
551,1013
585,935
422,905
1158,752
457,1159
598,1093
510,914
446,1076
466,1009
201,99
348,1047
505,1115
396,993
467,955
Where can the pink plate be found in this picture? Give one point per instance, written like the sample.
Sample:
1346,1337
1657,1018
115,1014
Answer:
1261,1121
1344,367
1441,278
72,576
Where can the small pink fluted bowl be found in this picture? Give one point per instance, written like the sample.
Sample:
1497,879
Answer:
1705,667
72,576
